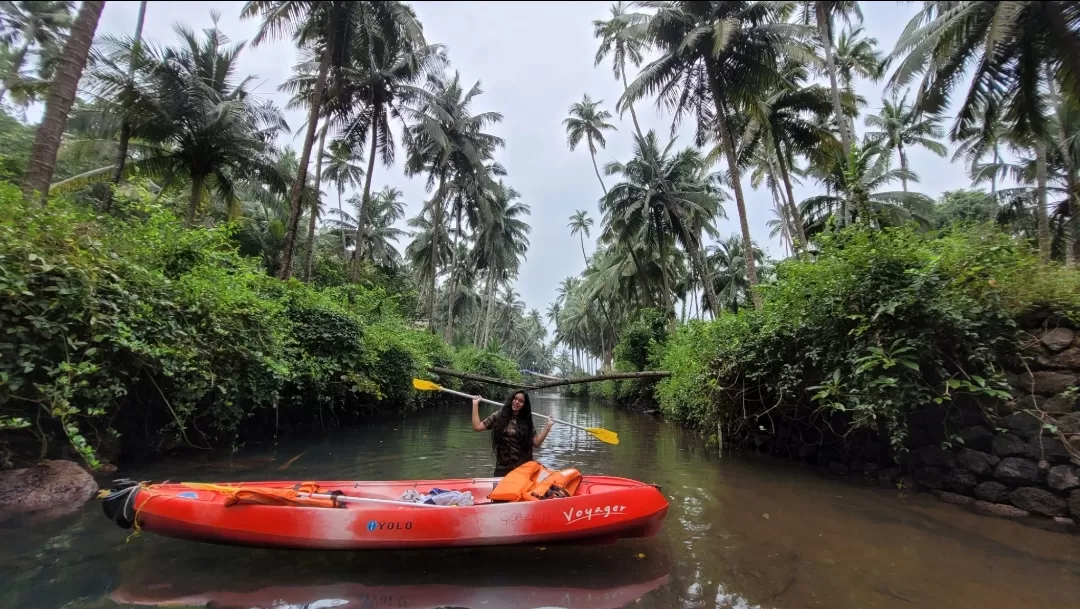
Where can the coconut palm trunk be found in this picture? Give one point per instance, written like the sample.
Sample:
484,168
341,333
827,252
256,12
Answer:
198,184
365,201
453,276
838,109
305,154
125,126
42,164
435,226
793,208
728,145
1041,212
309,255
592,153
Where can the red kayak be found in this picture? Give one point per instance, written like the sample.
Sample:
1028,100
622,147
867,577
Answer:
413,597
347,515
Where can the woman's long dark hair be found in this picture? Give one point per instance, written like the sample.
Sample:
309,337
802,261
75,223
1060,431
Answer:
524,428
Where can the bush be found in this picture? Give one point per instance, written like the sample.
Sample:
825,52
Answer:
491,364
157,335
878,326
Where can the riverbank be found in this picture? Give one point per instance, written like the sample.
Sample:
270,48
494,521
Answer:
948,362
130,335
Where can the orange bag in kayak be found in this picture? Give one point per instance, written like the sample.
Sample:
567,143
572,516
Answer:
563,483
517,484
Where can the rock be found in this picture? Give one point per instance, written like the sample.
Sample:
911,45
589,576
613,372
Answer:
992,492
1068,424
1067,523
870,470
1074,443
999,509
1074,504
1058,339
960,481
1045,447
1062,403
1017,472
929,477
807,450
1022,423
1030,402
50,489
977,462
1008,445
1037,501
954,499
837,467
1048,382
1062,478
977,438
935,456
889,476
1068,359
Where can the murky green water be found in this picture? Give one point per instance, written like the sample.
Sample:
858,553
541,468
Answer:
743,532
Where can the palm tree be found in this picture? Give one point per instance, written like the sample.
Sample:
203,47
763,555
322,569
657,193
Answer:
730,280
824,14
501,243
385,210
580,223
661,196
1012,49
587,121
385,87
38,25
857,181
901,125
711,54
617,39
126,103
42,164
447,142
342,172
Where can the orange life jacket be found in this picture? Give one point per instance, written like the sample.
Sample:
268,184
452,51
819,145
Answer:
531,481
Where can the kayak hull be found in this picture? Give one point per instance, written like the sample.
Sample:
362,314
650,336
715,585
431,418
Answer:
604,510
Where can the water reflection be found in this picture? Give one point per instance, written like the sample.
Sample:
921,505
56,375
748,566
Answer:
743,532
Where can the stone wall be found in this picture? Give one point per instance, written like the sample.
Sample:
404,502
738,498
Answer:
1025,461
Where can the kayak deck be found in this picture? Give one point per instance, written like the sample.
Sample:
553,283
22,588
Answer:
603,510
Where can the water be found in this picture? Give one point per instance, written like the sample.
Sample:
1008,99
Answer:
743,532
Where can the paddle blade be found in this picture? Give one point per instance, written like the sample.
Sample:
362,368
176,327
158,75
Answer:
604,435
422,385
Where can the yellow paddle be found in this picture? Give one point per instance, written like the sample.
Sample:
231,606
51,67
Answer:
604,435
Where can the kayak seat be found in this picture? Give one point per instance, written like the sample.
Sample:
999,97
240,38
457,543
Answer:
531,481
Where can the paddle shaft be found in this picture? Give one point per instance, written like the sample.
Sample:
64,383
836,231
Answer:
465,395
348,499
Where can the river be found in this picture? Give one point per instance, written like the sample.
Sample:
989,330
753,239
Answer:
743,532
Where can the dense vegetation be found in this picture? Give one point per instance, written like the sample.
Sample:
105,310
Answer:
889,300
172,275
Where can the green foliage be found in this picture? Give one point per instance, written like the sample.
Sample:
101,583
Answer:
878,326
161,335
488,363
641,339
967,206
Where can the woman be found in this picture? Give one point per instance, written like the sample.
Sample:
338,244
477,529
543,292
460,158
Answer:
513,436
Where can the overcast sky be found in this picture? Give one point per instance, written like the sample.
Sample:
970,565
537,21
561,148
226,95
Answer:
533,61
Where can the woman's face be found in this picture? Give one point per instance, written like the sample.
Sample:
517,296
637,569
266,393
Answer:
519,402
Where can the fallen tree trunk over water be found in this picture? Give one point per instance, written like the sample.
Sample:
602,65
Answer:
614,376
478,378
